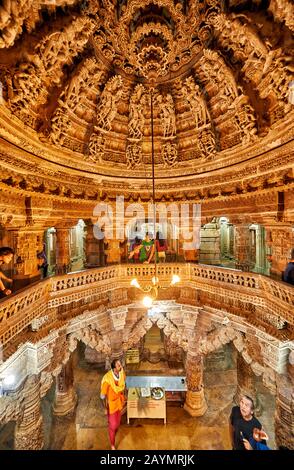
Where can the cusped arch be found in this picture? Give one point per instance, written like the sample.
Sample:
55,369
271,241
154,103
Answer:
163,323
227,334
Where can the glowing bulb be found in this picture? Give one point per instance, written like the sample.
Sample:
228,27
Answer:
135,283
155,280
175,279
147,301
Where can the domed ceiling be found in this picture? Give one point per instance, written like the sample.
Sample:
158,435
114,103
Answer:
78,78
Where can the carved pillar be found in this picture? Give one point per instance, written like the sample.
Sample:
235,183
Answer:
113,251
195,403
92,247
189,236
210,243
95,255
116,342
27,243
242,247
65,395
280,240
188,255
246,383
29,428
261,264
62,250
134,315
284,415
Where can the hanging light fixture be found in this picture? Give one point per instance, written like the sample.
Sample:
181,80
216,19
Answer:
152,290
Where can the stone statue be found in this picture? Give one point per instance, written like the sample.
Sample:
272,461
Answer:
96,147
136,116
108,104
191,93
134,155
167,114
169,154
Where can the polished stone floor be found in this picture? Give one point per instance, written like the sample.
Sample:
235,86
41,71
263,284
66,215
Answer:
87,427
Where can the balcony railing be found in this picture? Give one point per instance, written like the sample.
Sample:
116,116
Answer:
18,311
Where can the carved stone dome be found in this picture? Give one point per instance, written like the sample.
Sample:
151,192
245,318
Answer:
77,77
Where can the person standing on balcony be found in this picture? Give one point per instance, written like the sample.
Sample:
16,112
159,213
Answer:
112,394
6,255
135,250
147,250
288,275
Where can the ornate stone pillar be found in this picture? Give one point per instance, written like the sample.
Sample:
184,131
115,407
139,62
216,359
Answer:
28,433
93,247
186,250
279,240
113,251
62,250
189,234
27,243
242,247
116,342
246,383
210,243
284,415
195,403
65,395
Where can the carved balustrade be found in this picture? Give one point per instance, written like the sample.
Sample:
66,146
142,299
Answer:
254,290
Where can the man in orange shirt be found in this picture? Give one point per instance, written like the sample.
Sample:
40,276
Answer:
112,394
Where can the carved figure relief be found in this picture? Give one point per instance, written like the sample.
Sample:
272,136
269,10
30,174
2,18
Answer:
66,81
108,102
136,113
169,154
134,155
167,114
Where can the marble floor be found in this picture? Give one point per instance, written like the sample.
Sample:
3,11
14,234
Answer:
87,428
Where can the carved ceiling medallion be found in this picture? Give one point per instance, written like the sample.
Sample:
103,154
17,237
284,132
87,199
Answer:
78,73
